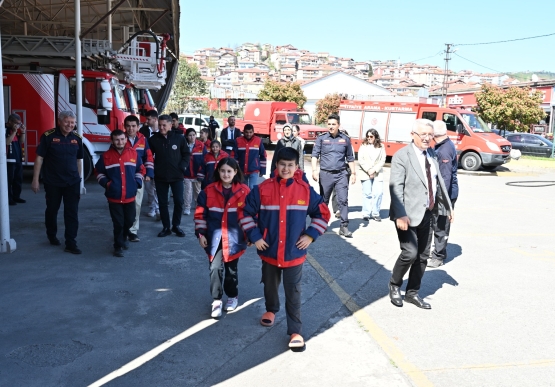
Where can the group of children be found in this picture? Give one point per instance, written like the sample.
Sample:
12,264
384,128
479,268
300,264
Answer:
230,216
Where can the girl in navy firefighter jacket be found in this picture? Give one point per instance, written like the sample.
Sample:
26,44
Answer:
219,208
275,222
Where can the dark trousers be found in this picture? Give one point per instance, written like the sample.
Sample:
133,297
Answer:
415,250
442,226
271,277
340,182
15,180
123,216
162,189
230,281
54,196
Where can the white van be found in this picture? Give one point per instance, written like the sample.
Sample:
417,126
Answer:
195,121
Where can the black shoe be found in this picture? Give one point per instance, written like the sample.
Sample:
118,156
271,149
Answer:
178,231
395,295
54,241
435,263
72,250
366,218
118,253
416,300
337,214
19,200
133,237
164,233
377,218
344,231
12,203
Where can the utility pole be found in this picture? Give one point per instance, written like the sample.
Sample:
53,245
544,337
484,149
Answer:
446,73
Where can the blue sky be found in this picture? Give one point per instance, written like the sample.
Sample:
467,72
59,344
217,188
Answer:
363,30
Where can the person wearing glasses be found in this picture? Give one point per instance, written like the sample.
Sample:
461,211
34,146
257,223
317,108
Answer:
416,189
371,159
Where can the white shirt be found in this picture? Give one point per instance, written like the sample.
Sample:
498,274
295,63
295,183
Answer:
230,133
433,171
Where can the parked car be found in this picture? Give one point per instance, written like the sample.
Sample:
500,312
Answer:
195,121
531,144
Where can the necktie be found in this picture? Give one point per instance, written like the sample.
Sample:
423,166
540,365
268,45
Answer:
429,177
230,134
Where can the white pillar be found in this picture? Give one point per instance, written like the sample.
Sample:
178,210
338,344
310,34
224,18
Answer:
79,81
7,245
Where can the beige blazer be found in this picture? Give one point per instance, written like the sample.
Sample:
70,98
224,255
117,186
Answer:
368,165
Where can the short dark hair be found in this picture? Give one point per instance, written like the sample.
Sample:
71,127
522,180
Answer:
238,178
215,142
165,117
174,116
117,132
190,130
131,119
205,130
152,113
334,116
248,127
287,154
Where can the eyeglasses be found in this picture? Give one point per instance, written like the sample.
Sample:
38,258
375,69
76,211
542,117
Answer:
369,136
424,136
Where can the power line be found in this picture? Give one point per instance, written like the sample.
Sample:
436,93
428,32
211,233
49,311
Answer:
428,57
505,41
454,53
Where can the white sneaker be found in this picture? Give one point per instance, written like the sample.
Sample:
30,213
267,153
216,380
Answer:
186,212
216,309
151,214
231,304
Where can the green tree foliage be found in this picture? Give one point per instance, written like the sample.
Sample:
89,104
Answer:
187,88
282,92
326,106
514,108
370,71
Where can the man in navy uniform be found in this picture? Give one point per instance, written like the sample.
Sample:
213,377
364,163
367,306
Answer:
15,138
335,153
60,151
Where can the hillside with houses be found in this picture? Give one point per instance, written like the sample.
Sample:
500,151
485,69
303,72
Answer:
248,66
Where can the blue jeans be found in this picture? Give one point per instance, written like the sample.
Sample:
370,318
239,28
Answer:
372,192
251,180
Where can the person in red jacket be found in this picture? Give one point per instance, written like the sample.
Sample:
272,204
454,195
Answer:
191,184
138,142
205,137
280,206
119,171
249,152
206,171
220,206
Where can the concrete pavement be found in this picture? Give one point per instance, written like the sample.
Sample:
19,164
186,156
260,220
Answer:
144,320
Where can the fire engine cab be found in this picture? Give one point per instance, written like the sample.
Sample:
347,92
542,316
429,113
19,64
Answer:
477,146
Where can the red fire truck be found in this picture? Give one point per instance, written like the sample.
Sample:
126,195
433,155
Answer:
477,146
269,118
38,95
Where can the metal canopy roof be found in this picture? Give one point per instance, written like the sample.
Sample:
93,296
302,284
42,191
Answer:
56,18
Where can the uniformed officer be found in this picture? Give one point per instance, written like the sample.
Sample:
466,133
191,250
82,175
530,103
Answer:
335,153
60,152
15,138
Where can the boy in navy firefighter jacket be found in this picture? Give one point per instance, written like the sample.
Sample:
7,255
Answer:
119,172
249,152
280,206
220,206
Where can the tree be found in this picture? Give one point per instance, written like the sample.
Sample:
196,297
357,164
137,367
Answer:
370,71
187,87
282,92
326,106
514,108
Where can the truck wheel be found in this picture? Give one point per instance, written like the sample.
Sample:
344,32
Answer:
87,165
471,161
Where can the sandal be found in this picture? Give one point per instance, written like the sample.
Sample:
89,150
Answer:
267,319
296,341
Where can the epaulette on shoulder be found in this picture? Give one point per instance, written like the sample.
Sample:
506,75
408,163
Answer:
49,132
346,134
77,134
